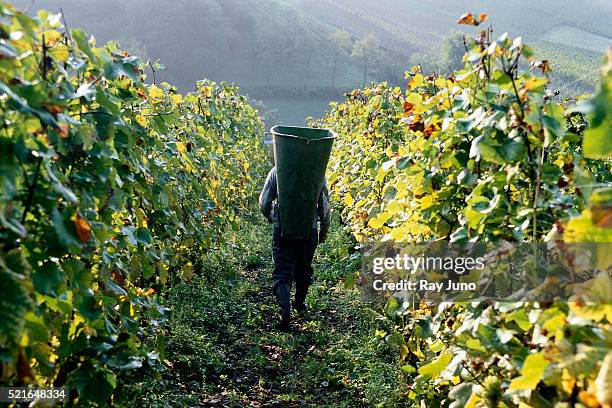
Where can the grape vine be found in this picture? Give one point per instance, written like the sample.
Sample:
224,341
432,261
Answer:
112,190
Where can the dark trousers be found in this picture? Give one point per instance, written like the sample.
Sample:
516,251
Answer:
292,262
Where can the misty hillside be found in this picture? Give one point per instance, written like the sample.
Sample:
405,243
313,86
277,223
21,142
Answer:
261,44
573,37
423,24
313,50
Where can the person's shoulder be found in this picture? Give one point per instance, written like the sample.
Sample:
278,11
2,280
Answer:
271,175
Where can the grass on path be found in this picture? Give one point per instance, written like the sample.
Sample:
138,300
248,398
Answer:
223,348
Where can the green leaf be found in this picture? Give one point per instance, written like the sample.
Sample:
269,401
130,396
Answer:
64,229
93,384
143,236
487,149
88,306
115,288
49,279
513,150
128,232
460,394
104,100
459,236
552,129
125,66
59,187
105,125
81,39
36,328
15,300
519,317
598,142
551,173
77,274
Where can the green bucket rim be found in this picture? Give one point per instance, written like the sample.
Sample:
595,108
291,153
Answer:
332,134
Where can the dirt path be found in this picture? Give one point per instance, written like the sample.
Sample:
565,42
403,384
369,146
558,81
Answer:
224,350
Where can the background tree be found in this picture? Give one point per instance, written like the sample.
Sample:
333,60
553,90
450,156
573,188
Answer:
452,52
366,50
341,41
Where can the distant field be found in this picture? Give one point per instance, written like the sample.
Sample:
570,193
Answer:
292,111
577,37
574,69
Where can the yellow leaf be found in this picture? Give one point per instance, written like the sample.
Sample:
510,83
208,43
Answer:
404,352
426,202
567,381
176,98
473,401
206,91
397,234
535,83
475,344
603,382
393,208
142,121
348,199
155,92
60,52
379,221
380,333
593,299
417,81
531,372
589,399
469,19
52,37
440,82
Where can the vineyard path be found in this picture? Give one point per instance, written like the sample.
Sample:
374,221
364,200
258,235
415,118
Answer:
224,348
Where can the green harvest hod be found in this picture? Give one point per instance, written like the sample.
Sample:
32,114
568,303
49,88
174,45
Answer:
301,155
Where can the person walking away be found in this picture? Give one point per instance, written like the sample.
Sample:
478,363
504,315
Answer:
292,257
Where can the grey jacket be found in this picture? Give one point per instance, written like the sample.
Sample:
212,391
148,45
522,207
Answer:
268,203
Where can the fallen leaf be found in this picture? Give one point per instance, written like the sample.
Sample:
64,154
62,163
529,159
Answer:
82,228
24,371
602,217
53,108
408,107
62,131
469,19
432,127
118,277
543,66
